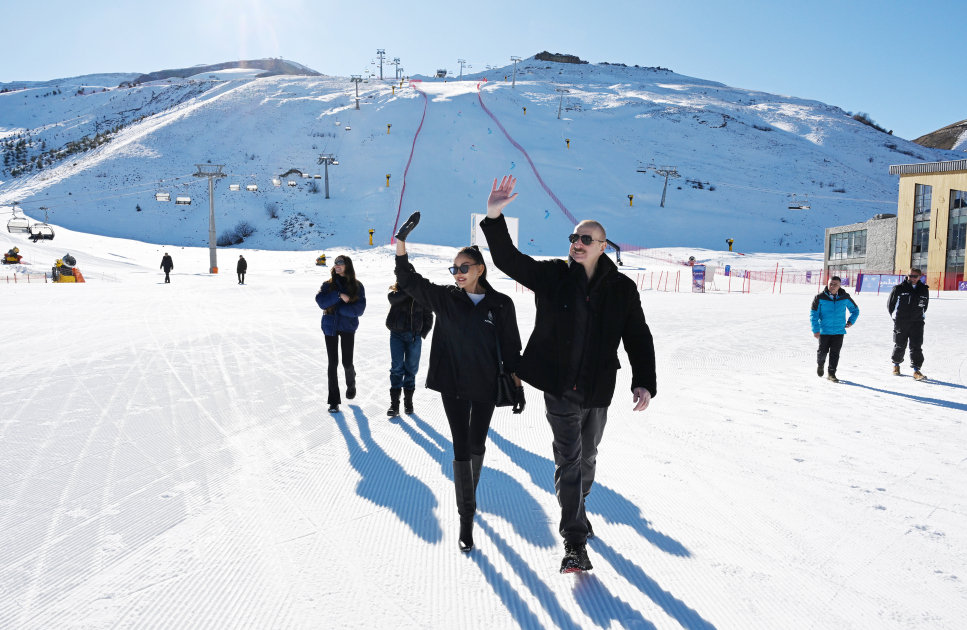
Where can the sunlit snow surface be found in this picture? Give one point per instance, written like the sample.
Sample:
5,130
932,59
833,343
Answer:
167,461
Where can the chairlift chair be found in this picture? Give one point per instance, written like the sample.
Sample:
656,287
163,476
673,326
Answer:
18,225
162,196
797,205
306,175
276,181
317,176
182,201
292,182
234,187
252,187
41,232
805,203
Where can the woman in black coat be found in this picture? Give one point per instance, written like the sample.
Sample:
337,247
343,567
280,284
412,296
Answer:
470,317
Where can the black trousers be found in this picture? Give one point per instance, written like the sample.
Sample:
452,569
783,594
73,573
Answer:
577,434
469,423
167,279
332,349
830,344
241,277
912,333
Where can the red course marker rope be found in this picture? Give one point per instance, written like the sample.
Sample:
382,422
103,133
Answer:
392,239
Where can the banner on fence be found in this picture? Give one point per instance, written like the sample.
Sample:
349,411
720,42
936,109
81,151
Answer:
962,285
698,279
728,270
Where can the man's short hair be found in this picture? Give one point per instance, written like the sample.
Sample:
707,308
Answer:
836,278
592,224
916,270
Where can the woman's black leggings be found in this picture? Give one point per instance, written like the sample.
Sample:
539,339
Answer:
332,349
469,423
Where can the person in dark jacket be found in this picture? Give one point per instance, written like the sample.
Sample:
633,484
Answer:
908,305
343,300
241,268
585,308
167,265
826,318
470,318
409,322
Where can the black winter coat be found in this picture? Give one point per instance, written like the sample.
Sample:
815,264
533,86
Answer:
408,315
463,353
615,312
242,266
908,303
166,263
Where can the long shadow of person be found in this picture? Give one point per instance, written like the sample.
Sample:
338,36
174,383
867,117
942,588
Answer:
602,607
673,607
602,500
385,483
498,493
921,399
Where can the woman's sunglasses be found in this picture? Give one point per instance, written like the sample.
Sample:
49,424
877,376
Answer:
339,263
585,238
464,268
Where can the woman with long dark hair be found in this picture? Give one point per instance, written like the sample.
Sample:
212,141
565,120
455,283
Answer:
342,300
470,319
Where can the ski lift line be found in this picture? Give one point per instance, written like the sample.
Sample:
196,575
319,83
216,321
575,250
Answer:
782,192
95,192
137,192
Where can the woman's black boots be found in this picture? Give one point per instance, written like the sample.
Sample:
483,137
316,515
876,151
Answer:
463,482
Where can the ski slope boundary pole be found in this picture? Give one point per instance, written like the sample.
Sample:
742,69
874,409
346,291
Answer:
392,239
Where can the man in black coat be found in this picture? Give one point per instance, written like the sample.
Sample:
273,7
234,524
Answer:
409,323
167,264
908,305
240,269
585,307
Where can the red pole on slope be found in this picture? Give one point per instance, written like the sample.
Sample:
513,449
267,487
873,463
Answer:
780,279
774,278
730,283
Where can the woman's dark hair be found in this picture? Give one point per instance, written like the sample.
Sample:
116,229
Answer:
473,253
352,285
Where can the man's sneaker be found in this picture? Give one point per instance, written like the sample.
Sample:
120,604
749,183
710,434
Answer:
587,522
832,377
575,558
820,371
333,408
896,370
918,376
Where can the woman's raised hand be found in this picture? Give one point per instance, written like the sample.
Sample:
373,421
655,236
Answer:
407,227
500,196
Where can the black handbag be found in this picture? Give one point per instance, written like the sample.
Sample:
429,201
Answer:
506,389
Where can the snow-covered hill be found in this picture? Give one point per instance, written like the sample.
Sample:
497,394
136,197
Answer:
739,152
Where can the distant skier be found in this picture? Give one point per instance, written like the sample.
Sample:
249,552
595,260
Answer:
585,309
343,300
908,305
167,264
826,316
409,322
476,334
240,269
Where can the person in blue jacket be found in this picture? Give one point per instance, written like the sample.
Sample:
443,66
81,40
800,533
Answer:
829,325
343,300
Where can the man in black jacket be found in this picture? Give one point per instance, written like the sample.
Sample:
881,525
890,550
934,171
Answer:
241,268
167,265
409,323
908,305
585,307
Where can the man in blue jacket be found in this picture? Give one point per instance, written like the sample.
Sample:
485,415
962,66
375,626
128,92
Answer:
826,316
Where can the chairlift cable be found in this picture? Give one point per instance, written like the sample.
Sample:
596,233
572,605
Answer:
137,192
95,192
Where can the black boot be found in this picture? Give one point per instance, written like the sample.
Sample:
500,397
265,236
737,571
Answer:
408,401
466,503
477,463
394,402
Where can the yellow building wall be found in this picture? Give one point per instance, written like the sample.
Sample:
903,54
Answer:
942,184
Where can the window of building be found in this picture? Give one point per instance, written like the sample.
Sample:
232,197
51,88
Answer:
956,238
922,198
847,245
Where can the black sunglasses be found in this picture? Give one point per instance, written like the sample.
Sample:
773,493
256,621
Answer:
585,238
339,263
464,268
914,277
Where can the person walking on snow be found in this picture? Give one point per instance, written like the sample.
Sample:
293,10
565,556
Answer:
343,300
585,308
167,265
241,268
409,323
908,305
472,319
826,317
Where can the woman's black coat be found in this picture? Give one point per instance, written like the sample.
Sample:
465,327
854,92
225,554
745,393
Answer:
463,353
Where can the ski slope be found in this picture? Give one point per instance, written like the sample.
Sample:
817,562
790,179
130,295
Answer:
740,153
167,461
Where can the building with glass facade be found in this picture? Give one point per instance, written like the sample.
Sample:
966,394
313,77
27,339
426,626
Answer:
932,221
868,247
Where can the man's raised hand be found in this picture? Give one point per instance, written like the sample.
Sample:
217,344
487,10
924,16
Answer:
500,196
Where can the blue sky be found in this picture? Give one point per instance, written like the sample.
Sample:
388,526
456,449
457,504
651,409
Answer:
890,59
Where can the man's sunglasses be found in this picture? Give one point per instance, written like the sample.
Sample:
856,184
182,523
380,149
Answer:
914,277
585,238
464,268
339,263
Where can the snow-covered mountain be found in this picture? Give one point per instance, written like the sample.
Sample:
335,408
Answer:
92,157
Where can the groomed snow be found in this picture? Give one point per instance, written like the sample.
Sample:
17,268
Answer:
167,461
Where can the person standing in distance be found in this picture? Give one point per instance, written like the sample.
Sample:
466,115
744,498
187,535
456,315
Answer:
585,308
343,300
409,322
908,305
167,265
471,319
826,317
241,268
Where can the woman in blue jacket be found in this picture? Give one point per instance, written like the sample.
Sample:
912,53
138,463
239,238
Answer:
829,325
342,299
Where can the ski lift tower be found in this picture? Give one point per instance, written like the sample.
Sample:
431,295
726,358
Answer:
326,159
462,64
396,62
356,78
513,83
381,53
563,92
212,172
664,171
